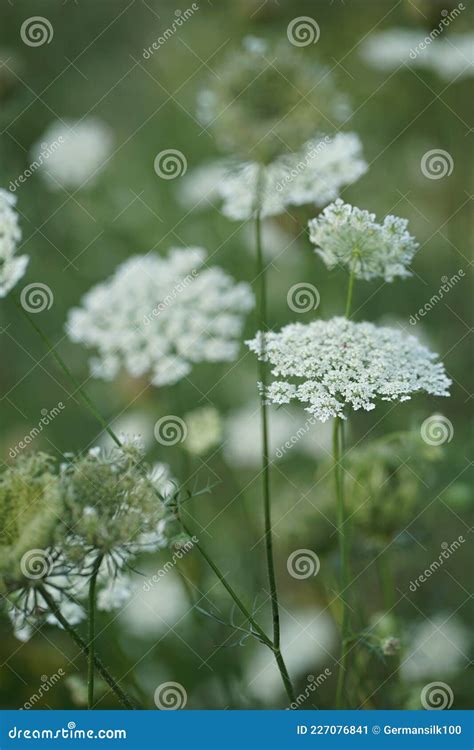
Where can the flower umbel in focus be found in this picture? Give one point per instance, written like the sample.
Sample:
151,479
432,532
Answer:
351,236
336,365
77,152
269,99
12,267
161,316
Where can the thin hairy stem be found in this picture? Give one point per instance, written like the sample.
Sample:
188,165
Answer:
79,641
344,549
91,623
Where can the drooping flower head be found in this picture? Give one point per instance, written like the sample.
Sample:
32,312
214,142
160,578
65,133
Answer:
71,154
313,175
268,99
12,267
162,315
336,365
352,237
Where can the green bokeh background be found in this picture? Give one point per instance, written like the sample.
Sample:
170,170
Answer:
94,65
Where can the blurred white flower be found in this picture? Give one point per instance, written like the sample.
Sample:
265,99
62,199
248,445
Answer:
160,316
289,432
332,365
154,606
450,56
199,188
437,648
313,175
308,641
12,267
134,422
204,430
77,152
351,236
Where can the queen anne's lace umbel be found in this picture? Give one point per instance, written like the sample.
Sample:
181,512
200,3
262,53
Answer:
331,366
162,315
351,236
313,175
12,267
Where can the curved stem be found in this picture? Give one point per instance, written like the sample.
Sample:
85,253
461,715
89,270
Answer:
343,539
91,655
79,641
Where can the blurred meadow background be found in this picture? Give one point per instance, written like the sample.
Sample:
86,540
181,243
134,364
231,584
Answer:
408,497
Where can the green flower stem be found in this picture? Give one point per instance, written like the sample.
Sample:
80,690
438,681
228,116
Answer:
350,288
79,641
91,655
82,393
259,632
343,537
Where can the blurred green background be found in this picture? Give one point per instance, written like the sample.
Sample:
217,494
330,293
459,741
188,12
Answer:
94,66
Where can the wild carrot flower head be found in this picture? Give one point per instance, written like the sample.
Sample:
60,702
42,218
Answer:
267,99
73,153
30,511
111,506
351,236
312,175
162,315
336,365
12,267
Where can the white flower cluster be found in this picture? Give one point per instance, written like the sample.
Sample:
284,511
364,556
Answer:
12,267
162,315
77,152
332,365
351,236
315,174
449,58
